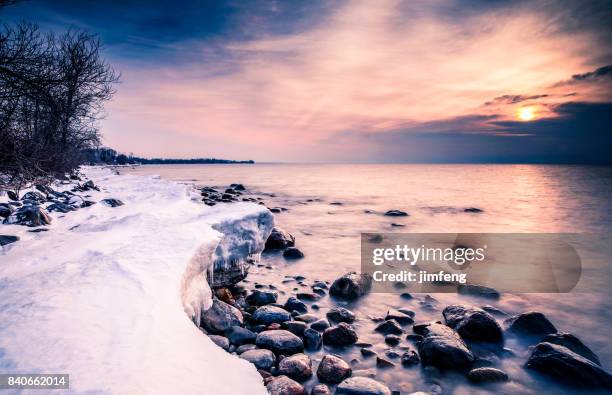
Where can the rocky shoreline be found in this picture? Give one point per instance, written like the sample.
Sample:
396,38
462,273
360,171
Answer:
281,330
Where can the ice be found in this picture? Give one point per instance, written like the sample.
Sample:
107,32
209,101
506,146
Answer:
109,295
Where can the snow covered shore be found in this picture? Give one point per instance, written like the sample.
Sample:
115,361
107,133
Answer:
108,294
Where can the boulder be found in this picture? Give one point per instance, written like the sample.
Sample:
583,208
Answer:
333,369
293,253
532,323
383,363
279,239
308,296
6,210
261,298
34,196
389,327
362,386
295,327
297,366
220,317
478,290
487,375
568,367
312,339
396,213
400,317
293,304
110,202
29,216
573,344
280,341
320,325
340,335
473,324
269,314
306,318
220,341
473,210
442,347
410,358
12,195
245,347
283,385
60,208
238,335
351,286
320,389
340,314
392,340
262,359
6,239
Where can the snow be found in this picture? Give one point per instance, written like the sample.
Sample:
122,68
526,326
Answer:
108,295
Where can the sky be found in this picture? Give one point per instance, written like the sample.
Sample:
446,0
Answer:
380,81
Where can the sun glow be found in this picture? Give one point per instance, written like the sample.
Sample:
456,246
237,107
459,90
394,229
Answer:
526,113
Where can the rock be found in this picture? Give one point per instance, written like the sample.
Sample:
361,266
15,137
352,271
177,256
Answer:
410,358
442,347
473,210
308,296
573,344
111,202
34,196
261,298
406,295
487,375
495,311
295,327
293,253
306,318
367,353
283,385
392,340
567,366
414,337
396,213
333,369
87,185
383,363
362,386
280,341
401,318
297,366
6,210
225,295
293,304
532,323
473,324
351,286
478,290
220,341
245,347
238,187
320,325
262,359
340,335
60,207
29,216
320,389
279,239
12,195
220,317
238,335
389,327
269,314
312,339
340,314
6,239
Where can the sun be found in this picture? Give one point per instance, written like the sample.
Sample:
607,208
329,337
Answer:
526,113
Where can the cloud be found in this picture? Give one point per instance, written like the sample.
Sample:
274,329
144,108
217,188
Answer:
514,99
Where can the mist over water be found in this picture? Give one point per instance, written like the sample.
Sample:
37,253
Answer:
515,199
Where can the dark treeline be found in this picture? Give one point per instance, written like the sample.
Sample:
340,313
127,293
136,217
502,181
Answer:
110,157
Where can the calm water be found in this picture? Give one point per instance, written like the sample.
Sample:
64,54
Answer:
515,198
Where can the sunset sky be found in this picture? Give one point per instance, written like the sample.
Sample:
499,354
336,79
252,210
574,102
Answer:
352,81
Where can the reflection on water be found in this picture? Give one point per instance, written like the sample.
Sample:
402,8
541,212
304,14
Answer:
515,199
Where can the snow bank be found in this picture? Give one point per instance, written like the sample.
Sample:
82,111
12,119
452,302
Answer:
108,294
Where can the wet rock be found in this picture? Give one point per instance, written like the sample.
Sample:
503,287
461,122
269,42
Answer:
318,290
6,239
295,327
442,347
220,341
473,324
320,389
351,286
60,208
279,239
333,369
340,335
478,290
532,323
293,304
261,298
238,187
12,195
6,210
29,216
306,318
308,296
340,314
283,385
362,386
410,358
406,295
293,253
312,339
111,202
383,363
487,375
269,314
473,210
220,317
34,196
367,353
239,336
262,359
320,325
495,311
567,366
573,344
401,318
280,341
225,295
392,340
389,327
413,337
396,213
245,347
298,367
